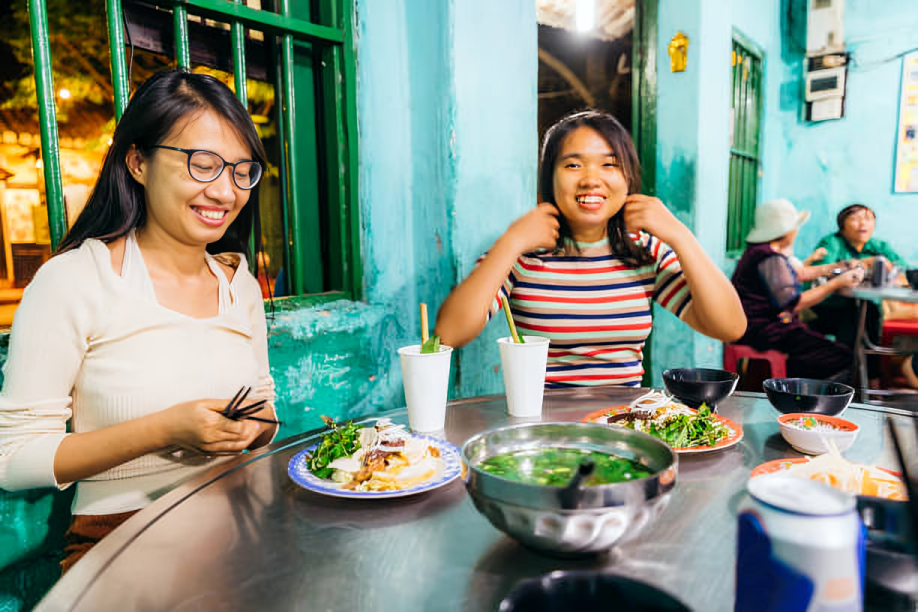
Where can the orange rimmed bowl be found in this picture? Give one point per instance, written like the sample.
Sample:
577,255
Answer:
809,433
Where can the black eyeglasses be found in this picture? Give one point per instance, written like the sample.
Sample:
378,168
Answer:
205,167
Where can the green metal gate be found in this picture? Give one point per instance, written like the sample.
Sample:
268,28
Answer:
316,80
746,106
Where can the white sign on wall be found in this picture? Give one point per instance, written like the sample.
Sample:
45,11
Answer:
906,166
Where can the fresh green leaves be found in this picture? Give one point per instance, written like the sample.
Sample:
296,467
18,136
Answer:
685,431
341,441
431,346
688,431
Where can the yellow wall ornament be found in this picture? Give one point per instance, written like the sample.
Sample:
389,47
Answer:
678,52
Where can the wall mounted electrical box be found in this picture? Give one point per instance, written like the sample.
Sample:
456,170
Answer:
825,81
825,26
826,63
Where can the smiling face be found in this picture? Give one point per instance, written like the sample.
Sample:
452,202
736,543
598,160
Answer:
188,211
589,185
859,227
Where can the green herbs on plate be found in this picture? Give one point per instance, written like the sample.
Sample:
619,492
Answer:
680,427
339,441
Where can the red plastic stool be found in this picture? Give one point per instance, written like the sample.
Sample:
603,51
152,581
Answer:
891,330
777,362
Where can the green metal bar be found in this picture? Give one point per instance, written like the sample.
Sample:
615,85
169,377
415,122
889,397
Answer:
644,94
237,38
180,34
353,272
120,85
339,114
742,154
278,24
733,213
741,110
644,116
748,44
287,111
47,115
282,167
237,34
308,179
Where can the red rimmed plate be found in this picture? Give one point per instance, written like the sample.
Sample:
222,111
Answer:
882,483
733,437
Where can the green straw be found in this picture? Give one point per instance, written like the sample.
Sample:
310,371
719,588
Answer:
517,338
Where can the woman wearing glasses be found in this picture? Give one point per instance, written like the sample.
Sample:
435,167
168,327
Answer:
147,320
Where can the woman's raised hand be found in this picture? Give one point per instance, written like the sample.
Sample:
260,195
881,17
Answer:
537,229
817,255
651,215
200,425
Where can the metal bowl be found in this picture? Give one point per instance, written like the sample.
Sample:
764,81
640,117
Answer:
585,520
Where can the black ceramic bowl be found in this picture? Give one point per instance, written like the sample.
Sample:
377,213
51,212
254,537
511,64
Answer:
696,386
912,276
586,591
808,395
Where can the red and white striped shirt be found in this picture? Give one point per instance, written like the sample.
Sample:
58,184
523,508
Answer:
594,307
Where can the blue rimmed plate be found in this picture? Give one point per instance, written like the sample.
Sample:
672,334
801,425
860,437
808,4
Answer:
450,469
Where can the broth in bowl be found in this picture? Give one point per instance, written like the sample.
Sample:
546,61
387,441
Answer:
555,466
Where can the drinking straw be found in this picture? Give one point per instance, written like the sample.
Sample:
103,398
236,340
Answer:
517,338
424,333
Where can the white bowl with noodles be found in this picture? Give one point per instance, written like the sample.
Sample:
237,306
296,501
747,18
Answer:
810,433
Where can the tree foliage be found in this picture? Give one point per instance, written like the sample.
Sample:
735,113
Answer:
78,35
79,52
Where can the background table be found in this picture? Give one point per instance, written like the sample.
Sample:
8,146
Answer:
245,537
863,345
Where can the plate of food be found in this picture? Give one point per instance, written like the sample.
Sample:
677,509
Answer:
685,429
374,462
841,474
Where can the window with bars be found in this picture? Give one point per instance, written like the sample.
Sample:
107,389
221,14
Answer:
291,62
745,110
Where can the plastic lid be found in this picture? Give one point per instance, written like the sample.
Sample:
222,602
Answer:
800,495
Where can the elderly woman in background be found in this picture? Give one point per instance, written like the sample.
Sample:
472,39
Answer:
772,296
854,240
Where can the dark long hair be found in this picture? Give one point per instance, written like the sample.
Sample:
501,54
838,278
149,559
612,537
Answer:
622,245
117,204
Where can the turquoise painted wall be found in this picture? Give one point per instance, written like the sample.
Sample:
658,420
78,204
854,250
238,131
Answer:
495,146
824,166
447,158
693,108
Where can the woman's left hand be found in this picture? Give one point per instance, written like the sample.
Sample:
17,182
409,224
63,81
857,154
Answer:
651,215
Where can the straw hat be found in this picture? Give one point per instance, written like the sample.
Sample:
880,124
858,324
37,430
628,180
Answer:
774,219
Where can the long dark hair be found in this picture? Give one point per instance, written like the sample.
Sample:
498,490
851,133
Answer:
117,205
622,245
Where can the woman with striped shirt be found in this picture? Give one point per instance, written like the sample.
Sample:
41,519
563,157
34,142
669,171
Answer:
583,266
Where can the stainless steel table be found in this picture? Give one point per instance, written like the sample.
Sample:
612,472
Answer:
863,345
245,537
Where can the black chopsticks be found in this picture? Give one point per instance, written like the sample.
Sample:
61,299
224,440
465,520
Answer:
235,411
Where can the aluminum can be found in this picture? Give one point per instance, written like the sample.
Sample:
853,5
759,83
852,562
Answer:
800,548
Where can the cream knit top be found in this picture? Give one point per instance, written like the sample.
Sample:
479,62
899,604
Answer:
94,347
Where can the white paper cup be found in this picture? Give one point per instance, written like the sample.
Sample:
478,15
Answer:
426,380
524,374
